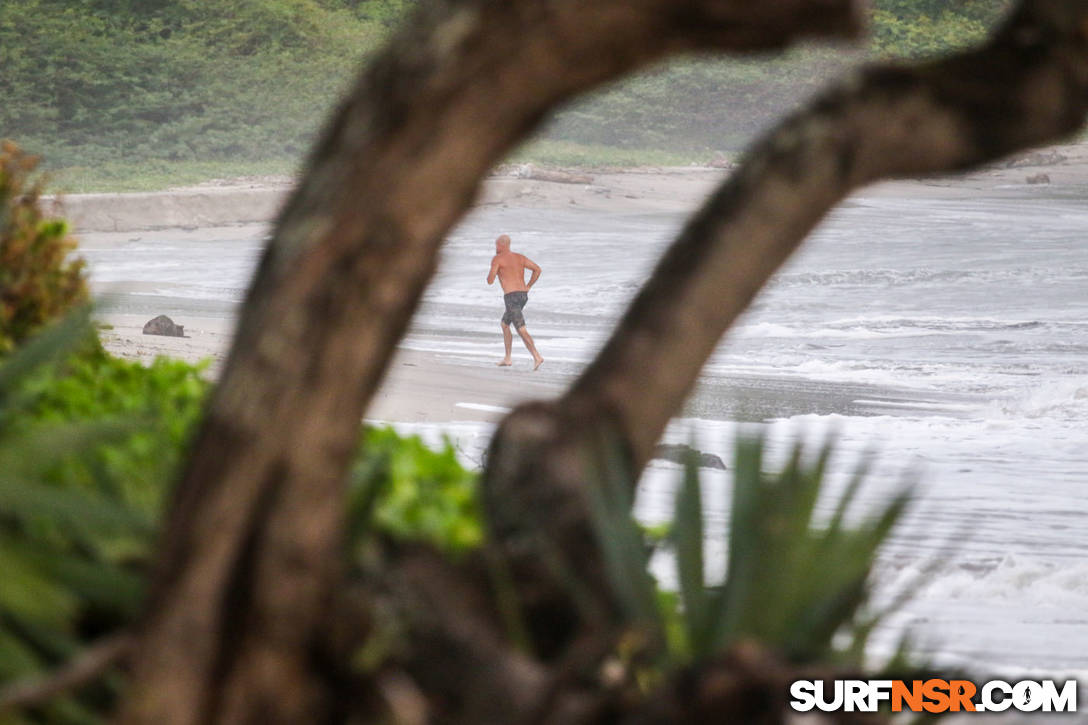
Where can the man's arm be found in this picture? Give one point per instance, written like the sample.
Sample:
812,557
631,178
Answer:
494,269
534,268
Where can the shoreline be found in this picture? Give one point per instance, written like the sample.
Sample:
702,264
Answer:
431,387
221,203
434,387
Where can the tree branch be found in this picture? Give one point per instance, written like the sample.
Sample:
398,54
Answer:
86,667
252,543
1028,85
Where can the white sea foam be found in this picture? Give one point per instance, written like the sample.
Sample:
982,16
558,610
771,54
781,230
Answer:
1065,398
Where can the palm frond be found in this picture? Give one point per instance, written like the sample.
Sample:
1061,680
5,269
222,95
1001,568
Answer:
687,534
622,544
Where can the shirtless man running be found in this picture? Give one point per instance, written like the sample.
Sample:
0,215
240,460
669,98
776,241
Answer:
510,268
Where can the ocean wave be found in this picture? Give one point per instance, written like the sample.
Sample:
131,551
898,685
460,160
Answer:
924,276
1062,399
926,376
1020,579
896,326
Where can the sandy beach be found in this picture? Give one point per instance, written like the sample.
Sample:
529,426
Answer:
430,387
421,387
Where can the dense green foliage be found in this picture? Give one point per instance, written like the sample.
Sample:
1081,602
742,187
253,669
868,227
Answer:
417,493
88,446
74,540
163,400
125,84
39,279
919,28
96,81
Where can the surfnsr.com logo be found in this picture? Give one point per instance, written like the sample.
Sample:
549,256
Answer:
933,696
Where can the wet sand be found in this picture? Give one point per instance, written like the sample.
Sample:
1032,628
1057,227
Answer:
429,387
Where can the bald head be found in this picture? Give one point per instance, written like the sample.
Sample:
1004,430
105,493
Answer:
502,244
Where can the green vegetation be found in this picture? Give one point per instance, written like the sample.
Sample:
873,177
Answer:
39,280
88,446
157,174
126,95
73,547
104,81
555,152
414,492
162,400
922,28
793,586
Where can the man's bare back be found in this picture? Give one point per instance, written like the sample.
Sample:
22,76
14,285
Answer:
510,268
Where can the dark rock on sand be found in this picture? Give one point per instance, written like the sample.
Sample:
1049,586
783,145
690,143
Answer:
678,453
163,325
1039,179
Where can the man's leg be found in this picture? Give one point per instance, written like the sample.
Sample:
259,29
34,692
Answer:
508,339
528,340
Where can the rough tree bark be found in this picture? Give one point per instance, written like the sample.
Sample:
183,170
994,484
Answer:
235,624
250,551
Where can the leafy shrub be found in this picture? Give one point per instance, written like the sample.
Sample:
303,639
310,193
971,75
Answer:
924,35
132,81
416,493
39,280
88,446
73,557
163,400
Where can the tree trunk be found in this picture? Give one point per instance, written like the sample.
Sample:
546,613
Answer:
251,555
252,545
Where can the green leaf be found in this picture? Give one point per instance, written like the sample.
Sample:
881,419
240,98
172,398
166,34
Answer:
23,496
690,570
47,347
620,539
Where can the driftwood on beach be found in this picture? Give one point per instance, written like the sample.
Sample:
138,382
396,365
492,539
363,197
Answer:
249,618
558,176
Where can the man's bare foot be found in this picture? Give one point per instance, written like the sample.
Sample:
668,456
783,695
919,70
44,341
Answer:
539,362
505,363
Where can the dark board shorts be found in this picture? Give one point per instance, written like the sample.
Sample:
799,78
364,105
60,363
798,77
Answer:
515,301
